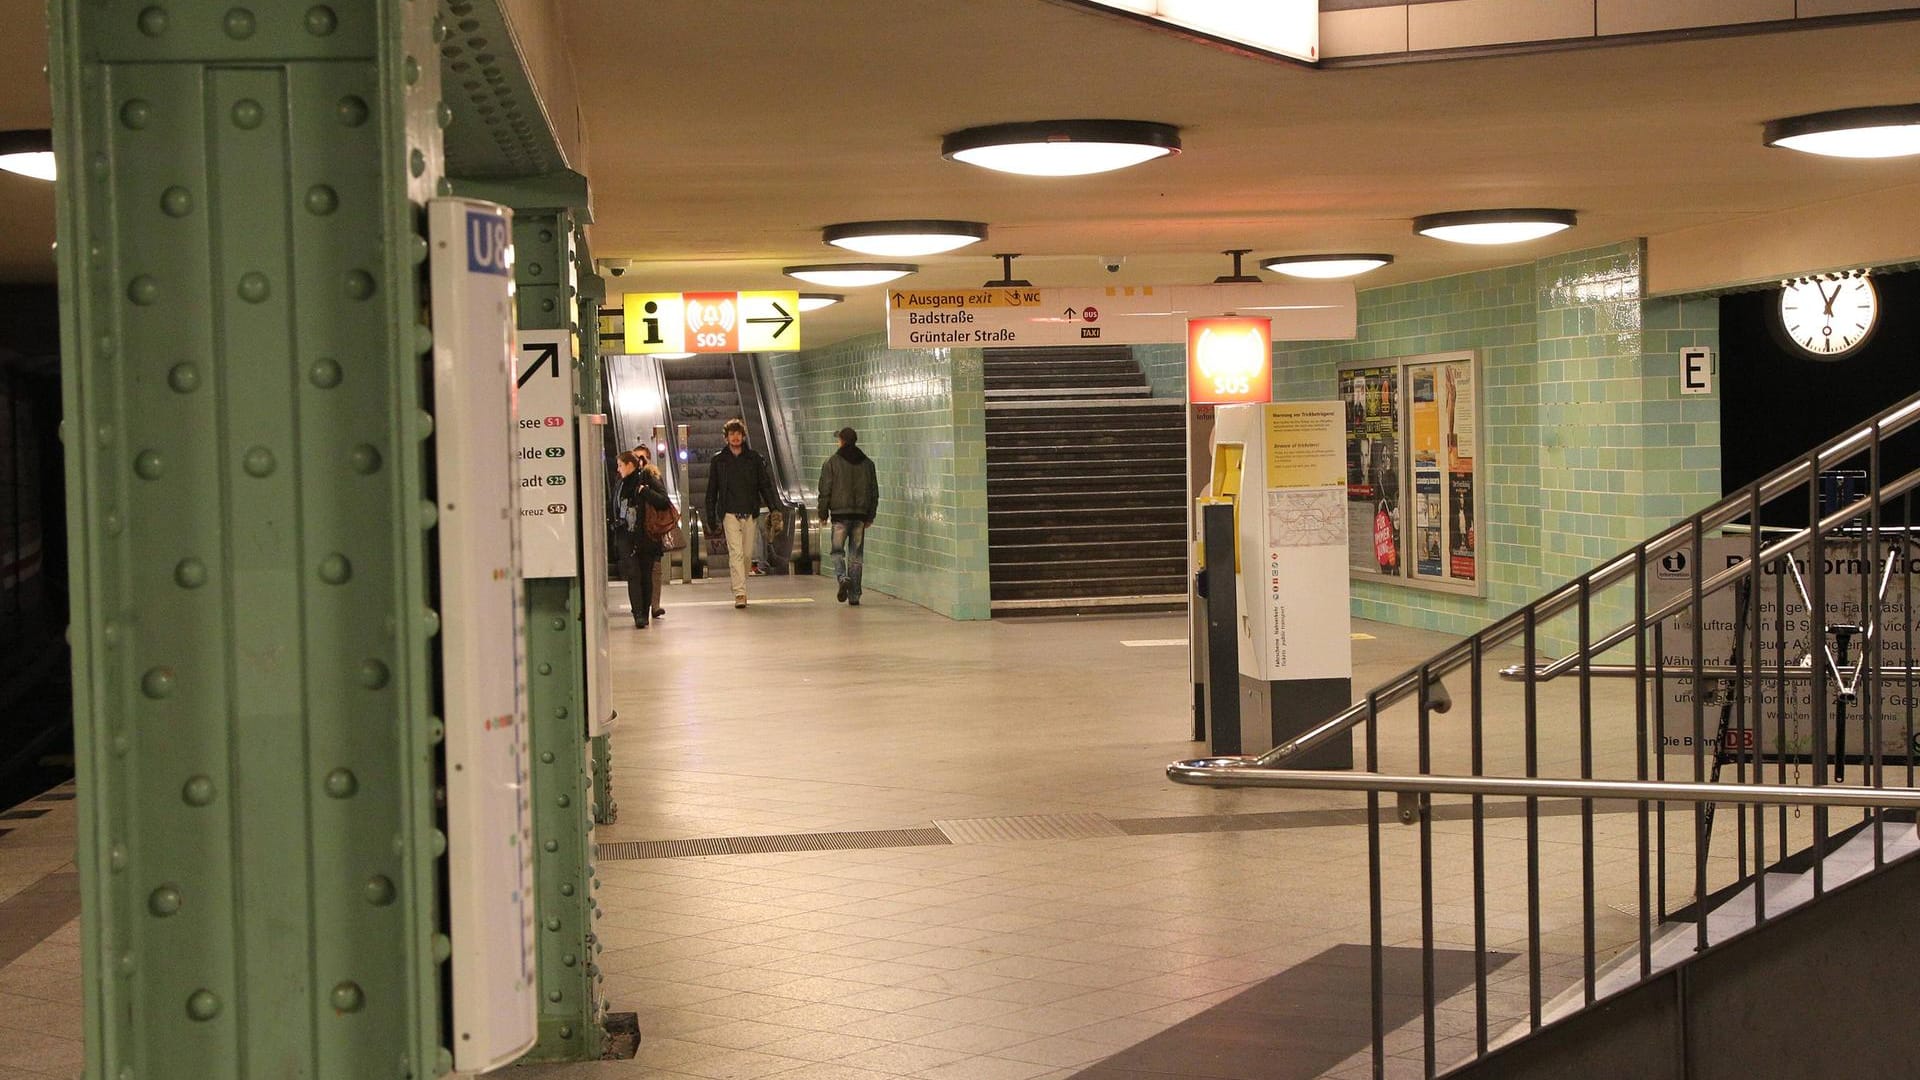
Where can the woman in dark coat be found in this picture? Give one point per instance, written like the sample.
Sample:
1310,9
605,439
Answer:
641,487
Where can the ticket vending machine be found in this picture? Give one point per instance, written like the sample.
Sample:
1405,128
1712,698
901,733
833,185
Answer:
1283,467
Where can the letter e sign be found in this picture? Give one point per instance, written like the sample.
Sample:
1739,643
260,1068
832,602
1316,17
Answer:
1696,370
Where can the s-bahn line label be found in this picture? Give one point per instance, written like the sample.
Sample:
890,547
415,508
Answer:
1109,315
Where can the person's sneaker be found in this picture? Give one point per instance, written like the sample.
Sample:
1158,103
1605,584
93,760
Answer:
853,603
739,601
841,596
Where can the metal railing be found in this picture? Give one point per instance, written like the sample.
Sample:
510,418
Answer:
1782,684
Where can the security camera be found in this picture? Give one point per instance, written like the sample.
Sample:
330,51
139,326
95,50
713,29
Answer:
1112,262
616,267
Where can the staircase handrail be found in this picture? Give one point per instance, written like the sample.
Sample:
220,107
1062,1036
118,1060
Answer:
1634,560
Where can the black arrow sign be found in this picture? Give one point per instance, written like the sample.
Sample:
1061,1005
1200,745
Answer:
785,320
545,353
1070,314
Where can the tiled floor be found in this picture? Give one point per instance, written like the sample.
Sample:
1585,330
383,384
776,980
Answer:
996,953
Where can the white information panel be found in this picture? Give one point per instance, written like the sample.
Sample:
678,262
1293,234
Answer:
1293,538
593,541
1004,318
482,636
549,473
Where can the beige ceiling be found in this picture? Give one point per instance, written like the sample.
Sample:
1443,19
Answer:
721,135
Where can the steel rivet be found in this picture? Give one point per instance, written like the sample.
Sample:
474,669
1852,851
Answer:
553,995
423,336
148,465
558,623
442,948
259,462
341,783
545,669
157,682
321,20
197,791
324,373
143,290
559,712
100,167
566,1031
106,344
379,891
322,200
136,113
569,960
104,434
419,250
121,744
373,674
546,757
239,24
566,890
113,524
443,186
203,1005
439,29
347,997
564,800
127,965
429,514
253,287
424,425
553,924
336,569
430,622
190,573
546,305
351,110
164,900
410,70
443,1062
437,730
365,460
184,377
551,845
534,269
417,163
439,843
176,201
443,115
359,284
247,114
117,857
546,236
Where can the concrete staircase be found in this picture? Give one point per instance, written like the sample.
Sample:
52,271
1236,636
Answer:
1086,484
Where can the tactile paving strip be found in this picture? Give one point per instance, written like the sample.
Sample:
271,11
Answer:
990,830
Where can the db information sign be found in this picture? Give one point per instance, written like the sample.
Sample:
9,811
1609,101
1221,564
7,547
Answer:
1229,361
712,322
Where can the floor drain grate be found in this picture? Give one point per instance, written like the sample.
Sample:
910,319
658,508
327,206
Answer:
991,830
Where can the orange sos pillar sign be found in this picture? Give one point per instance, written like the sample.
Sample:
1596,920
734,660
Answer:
1229,361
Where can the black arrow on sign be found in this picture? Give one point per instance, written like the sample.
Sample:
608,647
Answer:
785,320
546,353
1070,314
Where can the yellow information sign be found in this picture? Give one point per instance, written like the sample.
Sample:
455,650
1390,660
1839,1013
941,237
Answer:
712,322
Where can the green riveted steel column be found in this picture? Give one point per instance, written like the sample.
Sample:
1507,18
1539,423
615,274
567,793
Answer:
570,1007
240,255
593,398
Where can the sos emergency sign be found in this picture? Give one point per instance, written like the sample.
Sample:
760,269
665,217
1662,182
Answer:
712,322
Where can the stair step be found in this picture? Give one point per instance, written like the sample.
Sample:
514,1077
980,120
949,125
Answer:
1106,535
1148,585
1172,483
1073,426
1139,464
1140,391
1063,381
1089,605
1096,498
1088,570
1011,406
1069,550
1065,456
1057,517
1014,440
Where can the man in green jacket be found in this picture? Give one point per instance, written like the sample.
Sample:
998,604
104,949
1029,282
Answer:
849,494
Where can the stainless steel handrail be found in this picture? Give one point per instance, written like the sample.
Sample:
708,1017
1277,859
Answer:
1209,772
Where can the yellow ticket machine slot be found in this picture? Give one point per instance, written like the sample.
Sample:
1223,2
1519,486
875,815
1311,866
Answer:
1225,488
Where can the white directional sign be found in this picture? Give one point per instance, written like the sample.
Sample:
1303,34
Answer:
712,322
1113,315
549,486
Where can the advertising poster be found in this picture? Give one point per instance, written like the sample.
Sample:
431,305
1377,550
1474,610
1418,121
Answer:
1372,399
1460,424
1426,522
1460,520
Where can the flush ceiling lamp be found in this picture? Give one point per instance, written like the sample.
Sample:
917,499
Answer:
900,239
29,153
814,301
1493,226
1062,147
850,275
1325,267
1878,131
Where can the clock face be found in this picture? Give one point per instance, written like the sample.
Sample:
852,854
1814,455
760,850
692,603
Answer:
1826,319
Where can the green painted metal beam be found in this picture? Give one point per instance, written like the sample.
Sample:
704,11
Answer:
571,1012
240,268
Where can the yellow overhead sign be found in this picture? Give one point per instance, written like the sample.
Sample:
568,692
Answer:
712,322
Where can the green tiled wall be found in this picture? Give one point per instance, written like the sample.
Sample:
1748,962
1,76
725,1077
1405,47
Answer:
1588,445
922,418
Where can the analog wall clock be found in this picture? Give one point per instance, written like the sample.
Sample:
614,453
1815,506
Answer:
1827,318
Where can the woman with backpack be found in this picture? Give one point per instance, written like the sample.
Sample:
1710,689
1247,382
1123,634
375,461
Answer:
641,490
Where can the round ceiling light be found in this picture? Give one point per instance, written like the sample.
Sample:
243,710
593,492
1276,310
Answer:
850,275
1493,226
1324,267
1062,147
29,153
1878,131
814,301
898,239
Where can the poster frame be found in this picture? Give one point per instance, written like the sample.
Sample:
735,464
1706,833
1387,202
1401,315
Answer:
1405,574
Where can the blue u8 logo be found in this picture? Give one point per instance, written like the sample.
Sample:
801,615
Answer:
487,244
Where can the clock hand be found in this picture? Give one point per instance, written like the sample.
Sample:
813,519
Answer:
1828,299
